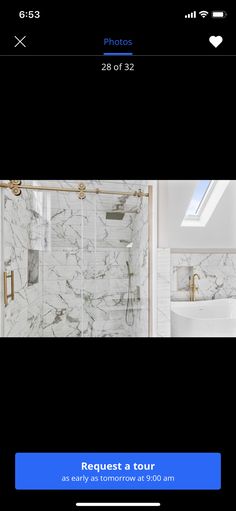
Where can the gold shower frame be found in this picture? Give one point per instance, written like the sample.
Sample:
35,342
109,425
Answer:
16,186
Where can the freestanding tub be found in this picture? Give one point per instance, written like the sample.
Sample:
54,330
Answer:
210,318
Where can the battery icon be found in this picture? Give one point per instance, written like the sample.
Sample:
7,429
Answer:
218,14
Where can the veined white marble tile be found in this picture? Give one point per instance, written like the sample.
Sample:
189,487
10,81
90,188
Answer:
61,286
70,273
216,272
34,320
34,292
14,257
16,324
63,257
65,301
15,235
62,329
114,333
67,216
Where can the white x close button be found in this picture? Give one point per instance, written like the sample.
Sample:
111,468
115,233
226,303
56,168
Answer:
20,41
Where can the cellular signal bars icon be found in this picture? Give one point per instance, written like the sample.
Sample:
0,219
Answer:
191,15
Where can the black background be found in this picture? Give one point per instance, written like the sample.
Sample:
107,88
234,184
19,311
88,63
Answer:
117,395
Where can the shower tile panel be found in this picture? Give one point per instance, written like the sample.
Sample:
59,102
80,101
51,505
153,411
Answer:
62,314
66,236
34,320
16,323
111,264
70,273
64,257
15,257
15,235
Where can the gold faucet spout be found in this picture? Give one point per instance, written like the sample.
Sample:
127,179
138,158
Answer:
193,288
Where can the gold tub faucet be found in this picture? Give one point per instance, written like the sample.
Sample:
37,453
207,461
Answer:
193,288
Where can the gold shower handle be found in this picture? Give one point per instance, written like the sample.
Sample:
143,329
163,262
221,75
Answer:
12,294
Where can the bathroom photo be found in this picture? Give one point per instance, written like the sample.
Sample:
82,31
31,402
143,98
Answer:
117,258
77,258
197,258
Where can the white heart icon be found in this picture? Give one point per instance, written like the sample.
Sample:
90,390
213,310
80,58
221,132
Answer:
216,40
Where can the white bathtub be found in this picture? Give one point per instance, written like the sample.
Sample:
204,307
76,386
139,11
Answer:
210,318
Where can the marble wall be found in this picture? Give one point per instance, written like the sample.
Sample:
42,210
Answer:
163,292
78,262
217,272
19,219
85,265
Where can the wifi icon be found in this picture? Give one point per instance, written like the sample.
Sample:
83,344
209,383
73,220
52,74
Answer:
203,14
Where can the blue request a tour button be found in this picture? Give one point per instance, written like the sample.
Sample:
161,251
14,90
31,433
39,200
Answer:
118,471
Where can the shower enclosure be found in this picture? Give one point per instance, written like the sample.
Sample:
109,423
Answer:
75,258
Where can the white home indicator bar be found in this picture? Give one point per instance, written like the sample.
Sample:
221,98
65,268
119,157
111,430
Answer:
118,504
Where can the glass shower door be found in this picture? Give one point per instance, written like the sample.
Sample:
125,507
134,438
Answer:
96,270
21,264
62,266
122,264
69,266
74,267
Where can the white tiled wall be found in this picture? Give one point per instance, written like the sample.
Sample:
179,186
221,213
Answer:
163,292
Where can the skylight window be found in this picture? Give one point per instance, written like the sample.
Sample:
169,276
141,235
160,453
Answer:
198,197
206,197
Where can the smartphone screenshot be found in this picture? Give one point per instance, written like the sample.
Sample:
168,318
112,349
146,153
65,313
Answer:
117,267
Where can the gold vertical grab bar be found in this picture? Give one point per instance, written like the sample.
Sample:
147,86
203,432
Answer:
12,285
5,288
12,295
